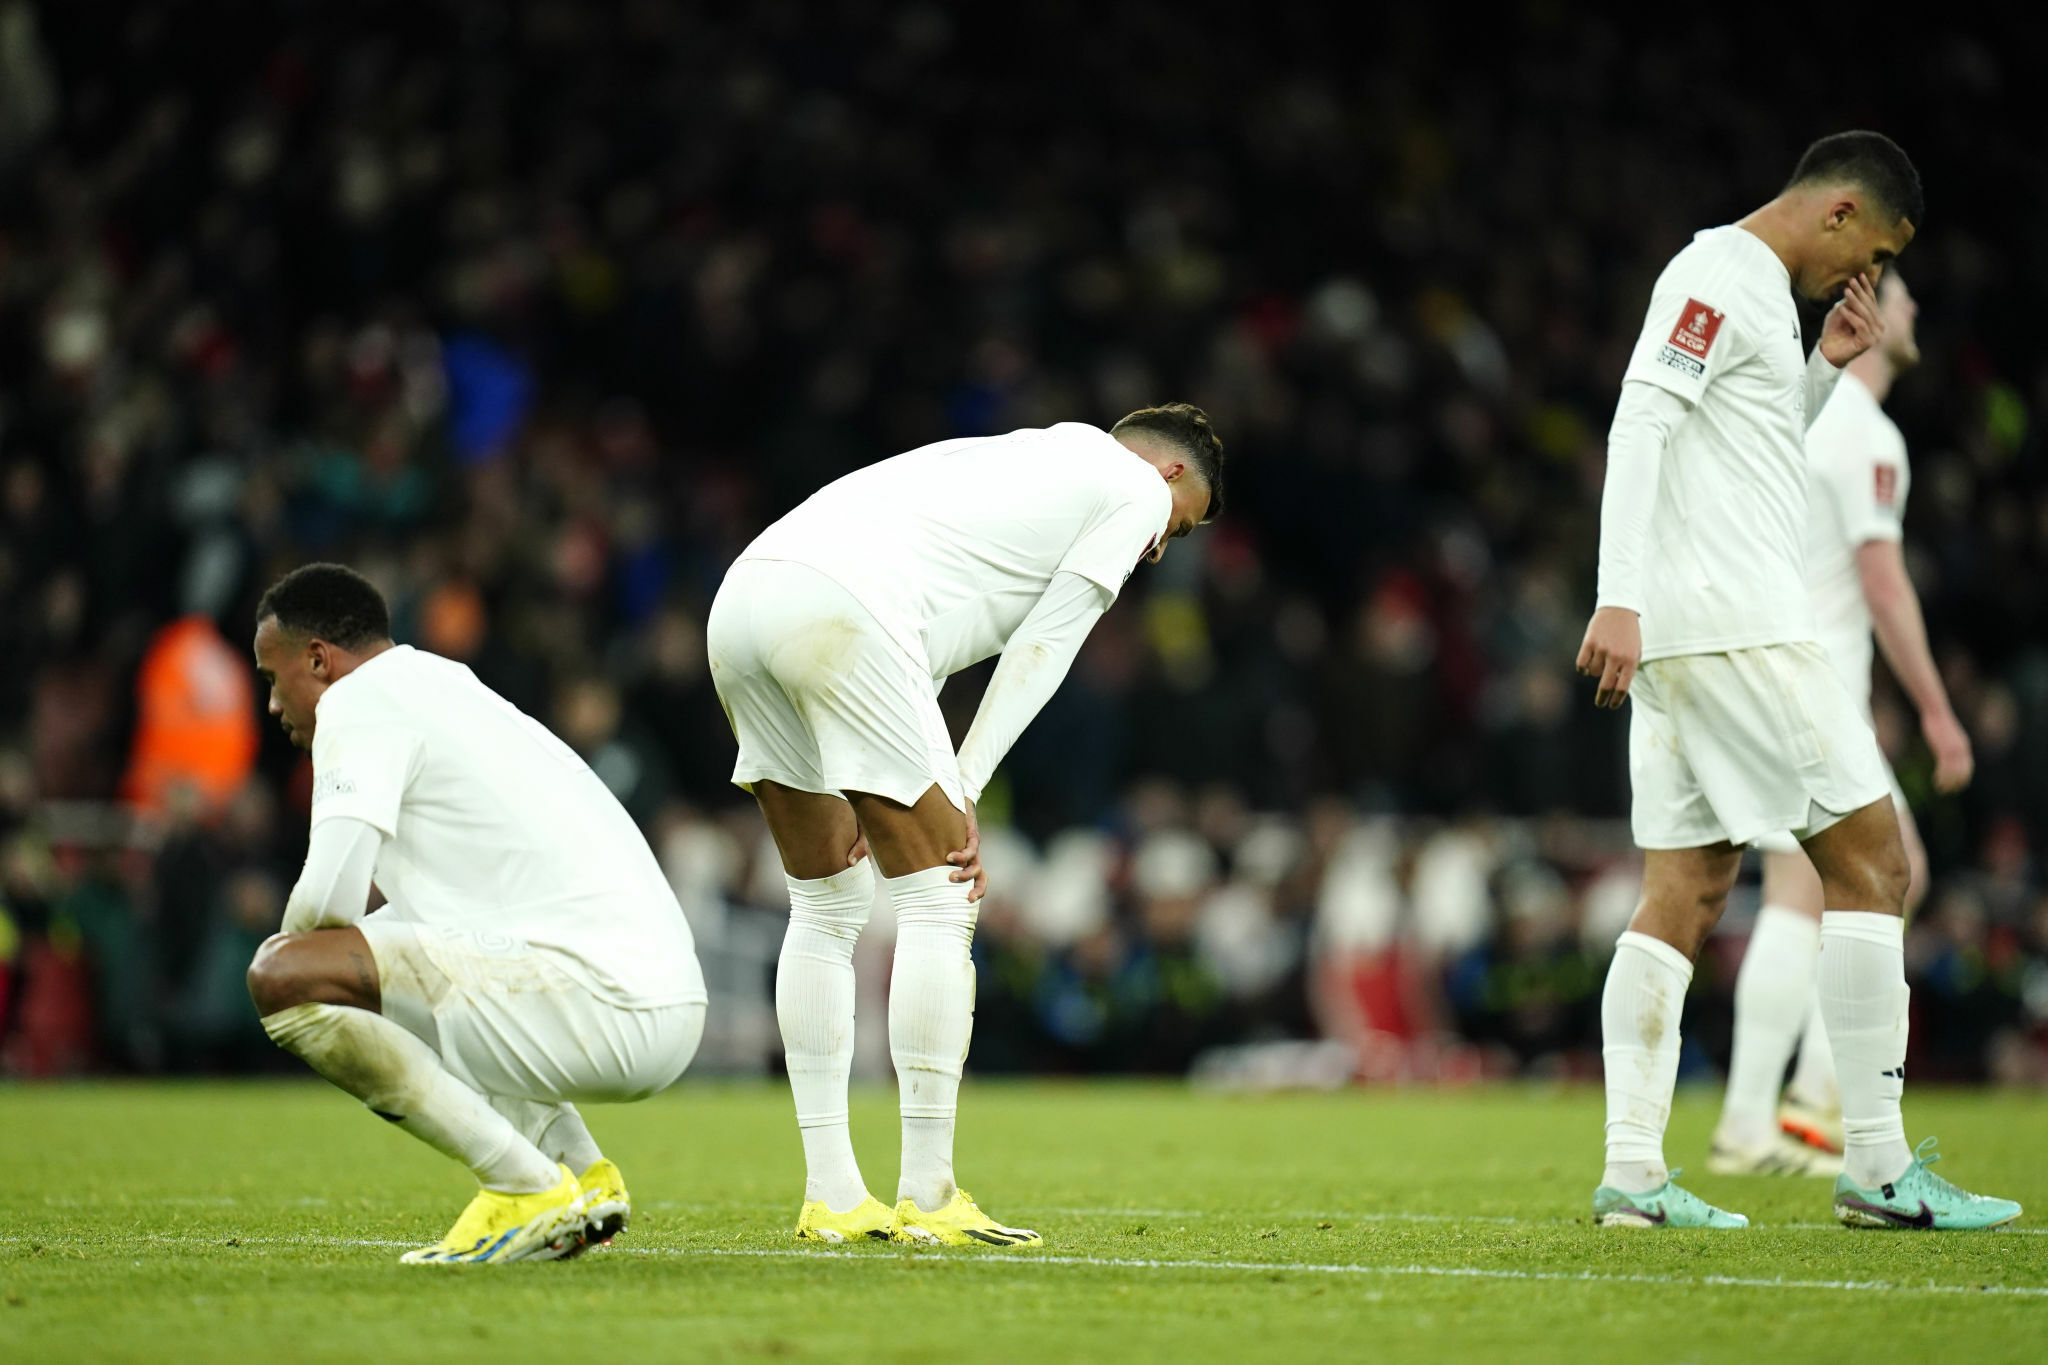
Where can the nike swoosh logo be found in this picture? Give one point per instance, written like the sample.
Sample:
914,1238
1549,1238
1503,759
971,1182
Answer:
1922,1220
1656,1219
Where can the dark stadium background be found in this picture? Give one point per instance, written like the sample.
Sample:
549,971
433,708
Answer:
538,311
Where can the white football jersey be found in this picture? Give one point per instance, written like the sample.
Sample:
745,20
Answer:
1724,560
491,824
1857,477
951,545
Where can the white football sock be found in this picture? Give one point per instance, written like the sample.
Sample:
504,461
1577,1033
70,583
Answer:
1864,996
1813,1075
814,1005
1774,995
931,1020
1639,1011
556,1128
401,1079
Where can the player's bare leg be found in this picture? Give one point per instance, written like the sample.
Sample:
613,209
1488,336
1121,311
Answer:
1684,892
319,996
931,989
1812,1111
1864,875
928,853
831,891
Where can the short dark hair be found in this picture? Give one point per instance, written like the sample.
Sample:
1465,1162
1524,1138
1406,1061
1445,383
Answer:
330,602
1187,428
1869,160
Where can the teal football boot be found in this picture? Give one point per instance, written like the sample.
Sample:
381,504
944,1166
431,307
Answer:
1920,1200
1667,1206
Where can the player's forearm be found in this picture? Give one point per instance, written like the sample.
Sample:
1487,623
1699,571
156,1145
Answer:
1897,623
1821,378
1644,420
333,890
1034,663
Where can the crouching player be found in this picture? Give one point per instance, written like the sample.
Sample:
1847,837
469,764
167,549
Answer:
528,952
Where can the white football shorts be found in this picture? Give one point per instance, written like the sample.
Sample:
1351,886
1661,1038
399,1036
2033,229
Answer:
819,696
510,1019
1782,840
1731,747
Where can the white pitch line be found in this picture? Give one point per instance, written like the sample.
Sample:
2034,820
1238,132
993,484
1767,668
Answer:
1027,1259
1254,1215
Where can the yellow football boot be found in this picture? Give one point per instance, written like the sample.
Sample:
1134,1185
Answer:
869,1220
960,1223
512,1227
606,1206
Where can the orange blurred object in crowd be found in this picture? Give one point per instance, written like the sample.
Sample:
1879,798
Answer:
196,720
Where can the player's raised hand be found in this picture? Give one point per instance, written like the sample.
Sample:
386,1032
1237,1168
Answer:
1854,325
1612,649
967,861
1954,764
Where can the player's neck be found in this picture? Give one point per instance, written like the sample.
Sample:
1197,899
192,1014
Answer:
1875,371
349,661
1775,225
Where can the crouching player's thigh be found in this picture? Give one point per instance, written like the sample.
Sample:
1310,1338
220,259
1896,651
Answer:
521,1020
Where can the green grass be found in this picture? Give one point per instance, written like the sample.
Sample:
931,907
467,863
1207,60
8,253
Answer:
263,1221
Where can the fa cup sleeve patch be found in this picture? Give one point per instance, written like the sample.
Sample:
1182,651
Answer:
1887,485
1692,339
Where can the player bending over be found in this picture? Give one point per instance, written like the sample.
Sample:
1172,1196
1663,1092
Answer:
1740,725
1856,578
828,642
529,952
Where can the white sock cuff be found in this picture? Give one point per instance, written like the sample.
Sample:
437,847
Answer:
931,894
1657,949
858,878
300,1023
846,896
1785,922
1868,926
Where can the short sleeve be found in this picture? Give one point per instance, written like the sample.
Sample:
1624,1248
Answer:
1688,337
1868,483
1126,526
361,769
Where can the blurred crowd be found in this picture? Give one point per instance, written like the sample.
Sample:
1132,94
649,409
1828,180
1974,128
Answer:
537,311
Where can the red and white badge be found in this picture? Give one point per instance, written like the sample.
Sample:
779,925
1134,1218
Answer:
1887,485
1696,329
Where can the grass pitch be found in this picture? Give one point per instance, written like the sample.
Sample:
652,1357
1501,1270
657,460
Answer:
263,1221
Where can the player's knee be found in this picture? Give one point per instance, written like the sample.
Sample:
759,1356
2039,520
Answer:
274,978
1879,882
